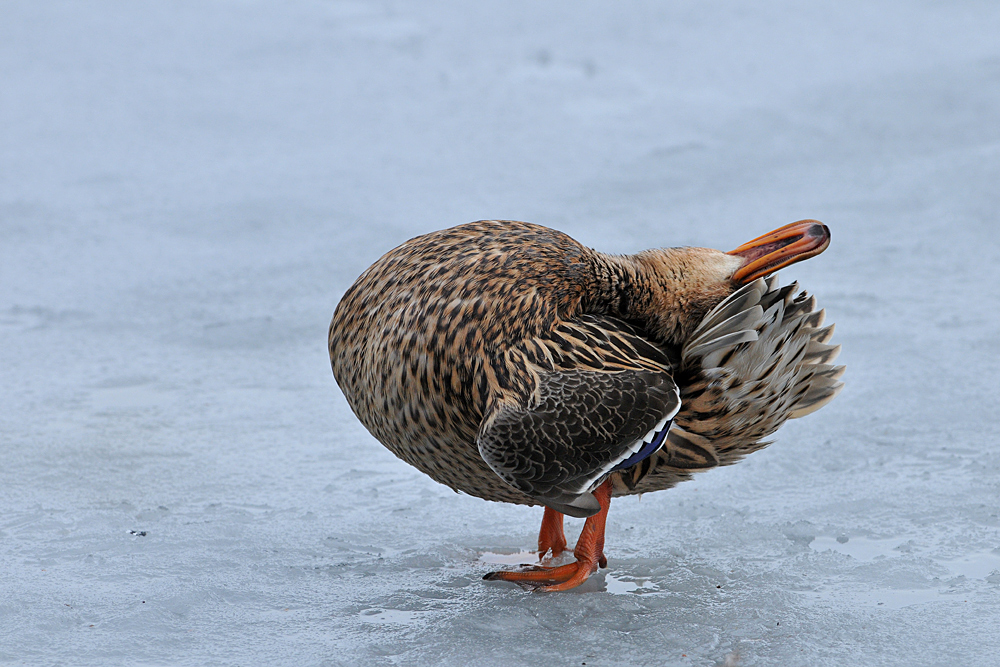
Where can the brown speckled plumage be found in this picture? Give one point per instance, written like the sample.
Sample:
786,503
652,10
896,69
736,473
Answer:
512,342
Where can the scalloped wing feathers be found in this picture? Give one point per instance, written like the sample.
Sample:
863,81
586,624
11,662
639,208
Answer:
582,425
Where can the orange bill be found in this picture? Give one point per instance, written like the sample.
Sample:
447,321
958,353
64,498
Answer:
775,250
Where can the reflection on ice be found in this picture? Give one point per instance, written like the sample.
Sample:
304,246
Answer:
612,584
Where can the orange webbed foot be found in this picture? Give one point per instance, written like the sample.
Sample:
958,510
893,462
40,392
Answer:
589,551
537,578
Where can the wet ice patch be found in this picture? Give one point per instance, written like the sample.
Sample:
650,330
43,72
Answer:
393,616
858,548
623,585
519,558
976,565
973,565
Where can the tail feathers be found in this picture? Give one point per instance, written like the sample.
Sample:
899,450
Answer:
821,335
818,353
731,323
769,352
775,294
740,300
814,399
816,319
759,358
821,386
718,346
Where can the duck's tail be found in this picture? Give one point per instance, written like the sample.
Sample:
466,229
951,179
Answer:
757,359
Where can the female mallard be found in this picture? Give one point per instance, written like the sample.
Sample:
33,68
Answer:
508,361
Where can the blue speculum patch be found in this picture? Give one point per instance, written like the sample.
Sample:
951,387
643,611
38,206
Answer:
646,450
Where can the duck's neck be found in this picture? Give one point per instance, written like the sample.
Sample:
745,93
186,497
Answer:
666,292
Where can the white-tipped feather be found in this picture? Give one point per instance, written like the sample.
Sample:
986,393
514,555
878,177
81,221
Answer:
632,449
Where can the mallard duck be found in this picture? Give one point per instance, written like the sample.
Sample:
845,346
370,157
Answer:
510,362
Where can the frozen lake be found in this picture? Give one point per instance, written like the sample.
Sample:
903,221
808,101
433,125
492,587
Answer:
187,189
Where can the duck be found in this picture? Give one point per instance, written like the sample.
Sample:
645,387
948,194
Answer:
512,363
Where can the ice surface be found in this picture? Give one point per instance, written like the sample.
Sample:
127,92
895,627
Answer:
187,188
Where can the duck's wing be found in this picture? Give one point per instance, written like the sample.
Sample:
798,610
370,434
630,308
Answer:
603,398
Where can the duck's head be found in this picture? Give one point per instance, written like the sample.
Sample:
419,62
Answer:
689,282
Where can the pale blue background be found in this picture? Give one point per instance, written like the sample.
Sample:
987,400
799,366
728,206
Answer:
187,188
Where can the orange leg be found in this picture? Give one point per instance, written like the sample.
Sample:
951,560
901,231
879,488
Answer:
551,536
589,554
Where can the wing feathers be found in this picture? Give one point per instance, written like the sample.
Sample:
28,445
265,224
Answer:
582,425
